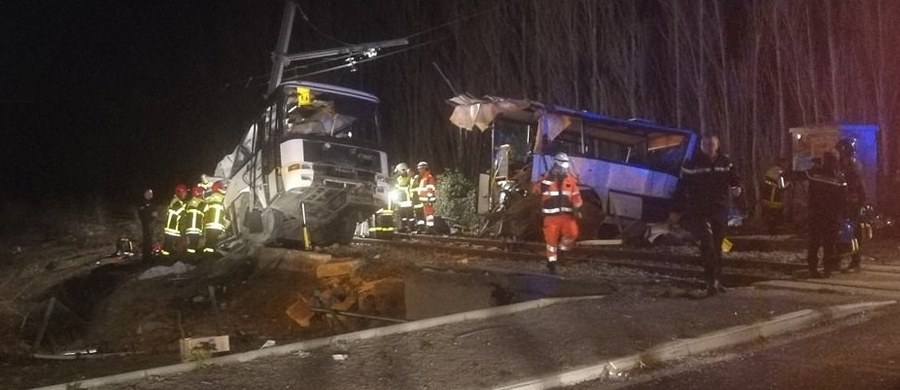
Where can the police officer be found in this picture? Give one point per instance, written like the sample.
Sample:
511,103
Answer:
148,215
827,200
851,168
708,180
560,204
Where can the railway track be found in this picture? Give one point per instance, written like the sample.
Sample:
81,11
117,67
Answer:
737,270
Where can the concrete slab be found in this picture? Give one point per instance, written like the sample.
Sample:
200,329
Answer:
689,347
813,286
318,343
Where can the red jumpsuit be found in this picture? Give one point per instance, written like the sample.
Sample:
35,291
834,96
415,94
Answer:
426,189
560,200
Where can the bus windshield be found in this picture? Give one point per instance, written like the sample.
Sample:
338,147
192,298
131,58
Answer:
328,114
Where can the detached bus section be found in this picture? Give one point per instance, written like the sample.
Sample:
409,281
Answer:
309,169
628,169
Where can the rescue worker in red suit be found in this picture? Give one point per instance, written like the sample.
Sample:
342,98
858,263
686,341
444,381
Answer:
560,204
425,187
708,181
173,219
851,168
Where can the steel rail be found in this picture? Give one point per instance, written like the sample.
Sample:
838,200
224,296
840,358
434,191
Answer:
611,253
730,276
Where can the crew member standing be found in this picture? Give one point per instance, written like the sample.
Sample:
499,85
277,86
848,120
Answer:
148,215
193,219
172,233
827,201
707,181
560,204
214,216
426,186
404,204
856,192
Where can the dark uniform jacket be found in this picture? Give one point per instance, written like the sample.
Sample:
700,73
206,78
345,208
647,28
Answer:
856,192
705,184
827,196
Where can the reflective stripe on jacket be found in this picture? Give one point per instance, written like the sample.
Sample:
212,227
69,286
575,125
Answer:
426,188
176,207
214,211
559,195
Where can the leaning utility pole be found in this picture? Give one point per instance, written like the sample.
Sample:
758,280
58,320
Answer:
280,58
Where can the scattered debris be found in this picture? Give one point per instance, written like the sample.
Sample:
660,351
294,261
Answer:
201,348
340,268
161,270
302,354
300,312
339,356
268,344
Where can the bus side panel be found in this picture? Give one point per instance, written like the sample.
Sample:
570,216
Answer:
604,176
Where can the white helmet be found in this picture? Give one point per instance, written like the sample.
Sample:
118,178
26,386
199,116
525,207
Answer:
421,165
402,167
562,160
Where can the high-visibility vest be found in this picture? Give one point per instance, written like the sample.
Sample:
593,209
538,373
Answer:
194,217
559,196
403,198
214,211
176,207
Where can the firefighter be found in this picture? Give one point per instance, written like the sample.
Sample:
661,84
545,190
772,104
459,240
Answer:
148,215
404,204
214,216
851,168
827,200
206,184
425,190
172,233
560,204
192,222
707,181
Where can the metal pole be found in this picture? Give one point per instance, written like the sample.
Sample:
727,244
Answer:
349,314
279,59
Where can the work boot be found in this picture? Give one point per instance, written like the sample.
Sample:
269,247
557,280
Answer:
715,288
551,267
854,266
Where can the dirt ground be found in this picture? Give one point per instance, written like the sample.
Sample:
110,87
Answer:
100,303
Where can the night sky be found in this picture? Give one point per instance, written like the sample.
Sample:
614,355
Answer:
101,99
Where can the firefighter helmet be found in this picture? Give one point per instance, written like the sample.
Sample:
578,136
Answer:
148,194
422,165
846,147
181,190
197,191
562,160
400,168
219,186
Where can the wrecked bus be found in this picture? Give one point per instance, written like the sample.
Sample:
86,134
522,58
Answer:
311,159
629,168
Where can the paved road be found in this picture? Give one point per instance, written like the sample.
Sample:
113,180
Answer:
862,356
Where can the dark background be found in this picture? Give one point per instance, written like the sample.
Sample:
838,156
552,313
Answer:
101,99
